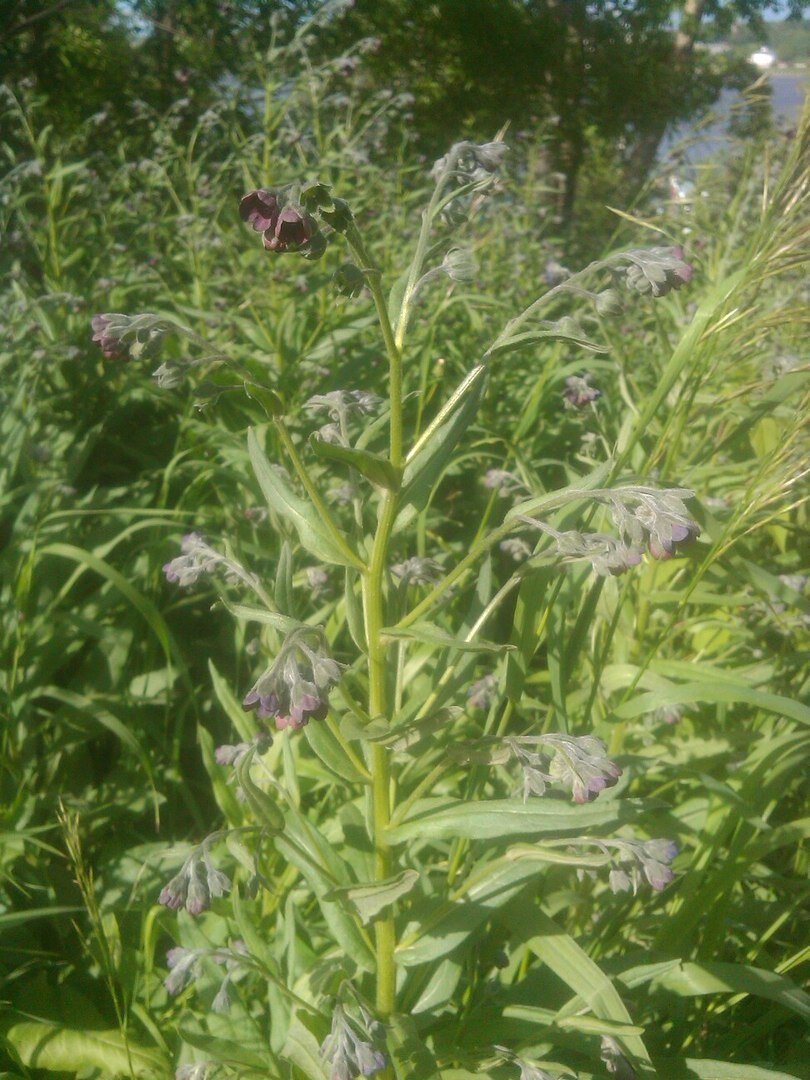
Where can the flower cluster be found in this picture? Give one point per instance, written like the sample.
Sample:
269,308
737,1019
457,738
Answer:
659,517
198,559
416,571
196,884
606,554
136,336
348,1052
201,1071
233,754
637,860
284,228
503,483
185,966
295,688
471,161
517,549
657,270
642,515
579,763
341,404
483,692
578,392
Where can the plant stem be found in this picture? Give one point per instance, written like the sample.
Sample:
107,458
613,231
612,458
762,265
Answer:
380,771
393,348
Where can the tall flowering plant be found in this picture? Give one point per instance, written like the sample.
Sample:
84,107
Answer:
383,930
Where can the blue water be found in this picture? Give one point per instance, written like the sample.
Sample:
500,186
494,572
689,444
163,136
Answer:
788,93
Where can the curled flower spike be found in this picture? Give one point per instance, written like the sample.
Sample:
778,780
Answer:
657,270
341,404
120,335
460,265
637,860
233,754
198,559
295,689
578,392
579,763
348,1054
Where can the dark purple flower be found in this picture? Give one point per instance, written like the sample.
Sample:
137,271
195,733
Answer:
110,346
260,209
290,231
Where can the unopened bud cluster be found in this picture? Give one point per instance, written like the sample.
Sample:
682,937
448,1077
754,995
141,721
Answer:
123,336
656,271
642,515
198,559
349,1047
578,763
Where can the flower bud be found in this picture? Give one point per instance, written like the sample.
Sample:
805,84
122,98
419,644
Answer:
349,280
459,265
609,303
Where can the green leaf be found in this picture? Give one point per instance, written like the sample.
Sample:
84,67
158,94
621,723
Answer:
572,964
283,589
281,498
704,693
283,623
446,818
369,900
328,748
704,1069
266,809
409,1055
441,927
435,447
305,847
561,330
267,398
225,1051
689,979
50,1046
430,634
589,1025
374,467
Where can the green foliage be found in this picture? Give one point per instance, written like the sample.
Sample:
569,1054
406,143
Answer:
118,686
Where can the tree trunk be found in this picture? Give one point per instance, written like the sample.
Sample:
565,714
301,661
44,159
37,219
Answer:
645,151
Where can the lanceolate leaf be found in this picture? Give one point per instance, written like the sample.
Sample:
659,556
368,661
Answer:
50,1046
369,900
445,818
430,634
281,498
374,467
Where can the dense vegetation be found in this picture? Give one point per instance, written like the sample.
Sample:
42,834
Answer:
520,951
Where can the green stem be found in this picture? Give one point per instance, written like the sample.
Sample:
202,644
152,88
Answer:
393,348
373,603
